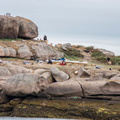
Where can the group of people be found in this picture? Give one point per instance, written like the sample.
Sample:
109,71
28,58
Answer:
61,63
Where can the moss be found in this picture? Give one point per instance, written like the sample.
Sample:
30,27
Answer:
15,101
75,109
58,108
4,114
6,107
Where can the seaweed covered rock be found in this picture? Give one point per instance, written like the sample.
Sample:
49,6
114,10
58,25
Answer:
3,97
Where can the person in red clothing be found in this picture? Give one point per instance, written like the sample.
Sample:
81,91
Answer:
63,63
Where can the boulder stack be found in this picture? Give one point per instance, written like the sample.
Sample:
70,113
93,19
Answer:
17,27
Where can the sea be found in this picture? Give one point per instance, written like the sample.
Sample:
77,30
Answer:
21,118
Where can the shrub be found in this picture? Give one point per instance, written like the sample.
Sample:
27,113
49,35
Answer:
90,48
73,52
97,53
101,59
115,60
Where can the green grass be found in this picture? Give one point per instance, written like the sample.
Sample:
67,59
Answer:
73,52
72,58
89,48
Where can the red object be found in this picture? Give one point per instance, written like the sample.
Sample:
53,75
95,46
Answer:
63,63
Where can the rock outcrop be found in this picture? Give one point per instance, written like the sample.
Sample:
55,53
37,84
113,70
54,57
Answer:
53,82
59,76
25,84
66,46
9,27
24,52
27,29
40,51
107,52
43,51
65,89
17,27
7,51
9,70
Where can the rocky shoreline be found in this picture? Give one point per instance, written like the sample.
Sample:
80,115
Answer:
55,91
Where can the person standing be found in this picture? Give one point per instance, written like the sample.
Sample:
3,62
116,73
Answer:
45,39
109,62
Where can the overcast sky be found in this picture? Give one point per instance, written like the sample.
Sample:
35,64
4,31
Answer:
69,18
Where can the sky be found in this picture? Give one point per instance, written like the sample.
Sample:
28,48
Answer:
84,22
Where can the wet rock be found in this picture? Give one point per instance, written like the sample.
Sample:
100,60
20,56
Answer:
15,101
3,97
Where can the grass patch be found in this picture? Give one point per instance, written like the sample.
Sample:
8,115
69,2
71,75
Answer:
98,53
73,52
72,58
89,48
115,60
10,39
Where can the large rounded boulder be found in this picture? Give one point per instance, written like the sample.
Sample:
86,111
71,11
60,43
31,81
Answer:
58,75
17,27
9,27
65,89
27,29
25,84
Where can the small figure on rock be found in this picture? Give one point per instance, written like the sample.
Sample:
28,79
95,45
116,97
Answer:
108,60
63,63
45,39
49,61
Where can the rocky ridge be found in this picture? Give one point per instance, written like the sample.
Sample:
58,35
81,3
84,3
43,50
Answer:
29,50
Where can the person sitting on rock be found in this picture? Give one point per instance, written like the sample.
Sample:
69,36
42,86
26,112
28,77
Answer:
45,37
49,61
63,63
